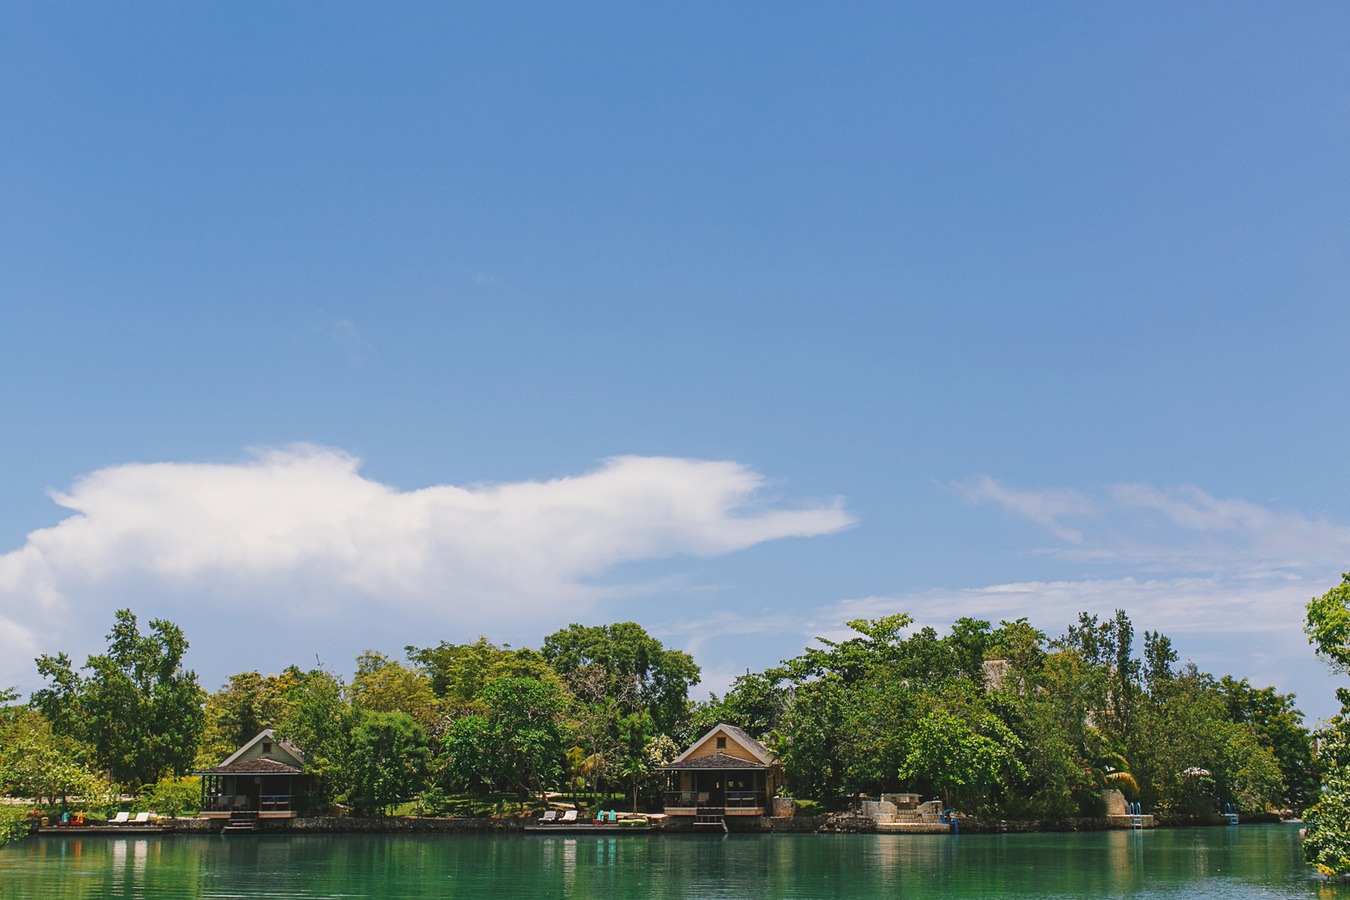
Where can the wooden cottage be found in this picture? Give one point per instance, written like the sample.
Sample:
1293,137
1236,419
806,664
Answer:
264,779
724,773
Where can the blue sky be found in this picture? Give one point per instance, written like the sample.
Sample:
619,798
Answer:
335,327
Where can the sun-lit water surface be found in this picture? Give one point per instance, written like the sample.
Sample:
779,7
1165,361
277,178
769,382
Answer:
1257,861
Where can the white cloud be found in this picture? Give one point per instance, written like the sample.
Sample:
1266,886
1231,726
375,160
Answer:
348,340
1172,530
306,515
1182,605
1045,507
18,645
1228,579
301,529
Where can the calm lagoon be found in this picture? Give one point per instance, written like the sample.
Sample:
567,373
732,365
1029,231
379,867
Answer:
1251,861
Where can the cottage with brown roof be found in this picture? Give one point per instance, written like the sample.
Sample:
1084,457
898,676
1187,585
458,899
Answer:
724,773
263,779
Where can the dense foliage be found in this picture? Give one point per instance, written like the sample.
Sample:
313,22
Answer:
1003,721
998,720
137,710
1327,841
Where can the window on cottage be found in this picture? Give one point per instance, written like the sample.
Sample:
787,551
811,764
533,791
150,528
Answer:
267,747
721,743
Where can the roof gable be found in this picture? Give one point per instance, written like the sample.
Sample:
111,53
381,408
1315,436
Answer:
282,751
752,747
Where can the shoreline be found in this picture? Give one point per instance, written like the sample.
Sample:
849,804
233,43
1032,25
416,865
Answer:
836,824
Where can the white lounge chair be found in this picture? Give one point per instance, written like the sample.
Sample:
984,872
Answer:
550,815
119,819
569,816
142,818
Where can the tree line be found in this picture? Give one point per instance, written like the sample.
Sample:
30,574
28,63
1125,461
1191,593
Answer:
999,720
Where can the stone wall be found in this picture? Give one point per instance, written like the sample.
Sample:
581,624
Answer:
399,825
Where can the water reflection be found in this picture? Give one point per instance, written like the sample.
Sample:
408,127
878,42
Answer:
1250,861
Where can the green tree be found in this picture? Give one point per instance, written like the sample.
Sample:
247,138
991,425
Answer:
385,685
246,704
1108,647
172,796
137,708
524,716
635,763
388,761
1328,625
458,672
319,720
1326,843
755,703
641,673
966,758
467,756
1278,726
515,743
37,762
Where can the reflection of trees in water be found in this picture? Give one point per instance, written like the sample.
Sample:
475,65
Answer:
1247,861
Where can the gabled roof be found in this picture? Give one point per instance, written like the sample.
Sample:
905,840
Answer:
752,746
716,761
258,766
267,734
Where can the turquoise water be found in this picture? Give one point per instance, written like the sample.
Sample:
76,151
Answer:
1254,861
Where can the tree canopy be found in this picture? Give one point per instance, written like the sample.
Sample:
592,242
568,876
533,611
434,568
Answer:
134,705
1000,719
1327,840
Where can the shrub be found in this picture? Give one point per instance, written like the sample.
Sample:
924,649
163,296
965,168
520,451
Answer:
172,796
14,823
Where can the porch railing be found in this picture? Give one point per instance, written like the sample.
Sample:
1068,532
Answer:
743,799
729,800
245,803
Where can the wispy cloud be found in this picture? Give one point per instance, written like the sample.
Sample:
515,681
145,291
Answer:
1228,577
1045,507
349,342
1174,529
1174,605
302,527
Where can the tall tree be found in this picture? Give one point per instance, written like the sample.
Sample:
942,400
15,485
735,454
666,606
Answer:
244,706
636,665
965,758
515,743
1278,726
37,762
320,721
136,707
388,761
382,684
458,672
1327,842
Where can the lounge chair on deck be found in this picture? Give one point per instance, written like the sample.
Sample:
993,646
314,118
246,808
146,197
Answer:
119,819
550,815
569,816
142,818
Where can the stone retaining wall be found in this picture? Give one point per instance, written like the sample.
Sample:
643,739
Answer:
838,823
